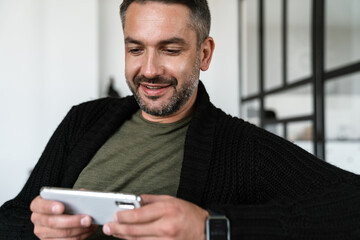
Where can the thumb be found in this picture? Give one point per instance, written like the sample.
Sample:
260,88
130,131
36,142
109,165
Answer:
148,198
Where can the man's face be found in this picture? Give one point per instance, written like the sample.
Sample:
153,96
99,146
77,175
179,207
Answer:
162,62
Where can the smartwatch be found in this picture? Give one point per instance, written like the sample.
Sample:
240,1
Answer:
217,227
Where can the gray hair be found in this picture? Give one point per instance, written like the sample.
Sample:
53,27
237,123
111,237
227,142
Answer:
200,14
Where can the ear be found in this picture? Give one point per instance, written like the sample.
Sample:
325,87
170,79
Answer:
206,52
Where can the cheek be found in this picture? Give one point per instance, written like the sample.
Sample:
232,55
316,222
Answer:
181,70
130,69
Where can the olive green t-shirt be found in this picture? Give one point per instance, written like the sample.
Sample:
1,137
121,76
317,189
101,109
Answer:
141,157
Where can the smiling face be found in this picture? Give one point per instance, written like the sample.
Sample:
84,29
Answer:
162,59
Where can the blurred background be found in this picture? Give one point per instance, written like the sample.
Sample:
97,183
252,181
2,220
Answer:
289,66
300,74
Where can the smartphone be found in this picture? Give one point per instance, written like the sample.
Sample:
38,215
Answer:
101,206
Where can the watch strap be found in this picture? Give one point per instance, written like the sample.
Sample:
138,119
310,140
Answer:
217,227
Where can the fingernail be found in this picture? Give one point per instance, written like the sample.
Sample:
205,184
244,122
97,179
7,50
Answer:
106,230
115,218
85,221
55,209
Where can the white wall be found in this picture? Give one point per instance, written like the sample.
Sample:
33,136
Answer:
222,78
55,54
111,44
48,62
19,88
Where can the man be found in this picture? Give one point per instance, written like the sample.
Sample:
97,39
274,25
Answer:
190,156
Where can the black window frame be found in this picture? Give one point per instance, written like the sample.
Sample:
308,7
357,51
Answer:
319,75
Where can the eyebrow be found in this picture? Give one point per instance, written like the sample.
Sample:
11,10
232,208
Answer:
174,40
131,40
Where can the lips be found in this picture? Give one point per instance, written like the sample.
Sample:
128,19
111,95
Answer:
154,90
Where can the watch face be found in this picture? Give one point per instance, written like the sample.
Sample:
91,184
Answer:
218,229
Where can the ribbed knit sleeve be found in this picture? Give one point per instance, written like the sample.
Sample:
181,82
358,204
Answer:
283,192
84,129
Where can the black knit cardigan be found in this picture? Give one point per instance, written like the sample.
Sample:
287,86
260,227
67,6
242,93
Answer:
268,187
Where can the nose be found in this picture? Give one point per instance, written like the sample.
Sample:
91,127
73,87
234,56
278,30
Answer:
151,66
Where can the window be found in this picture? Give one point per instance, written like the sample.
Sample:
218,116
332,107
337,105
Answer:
307,84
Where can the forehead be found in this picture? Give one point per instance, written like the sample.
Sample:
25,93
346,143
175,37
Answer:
154,19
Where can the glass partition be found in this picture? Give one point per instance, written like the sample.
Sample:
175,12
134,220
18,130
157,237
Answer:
291,103
298,40
301,133
342,33
342,125
309,97
273,44
251,111
277,129
250,48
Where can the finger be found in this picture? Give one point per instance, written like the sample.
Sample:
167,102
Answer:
61,221
148,213
74,233
130,231
147,198
45,206
158,229
153,208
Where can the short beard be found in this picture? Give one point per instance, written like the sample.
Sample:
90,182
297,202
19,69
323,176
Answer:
178,99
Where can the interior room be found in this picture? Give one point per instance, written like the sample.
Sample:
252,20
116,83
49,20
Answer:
289,66
56,54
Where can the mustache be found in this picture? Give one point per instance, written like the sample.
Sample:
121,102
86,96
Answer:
155,80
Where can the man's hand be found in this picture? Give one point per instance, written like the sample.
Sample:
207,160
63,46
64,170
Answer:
161,217
50,222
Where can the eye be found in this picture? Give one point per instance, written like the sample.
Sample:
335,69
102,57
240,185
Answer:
135,51
171,51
